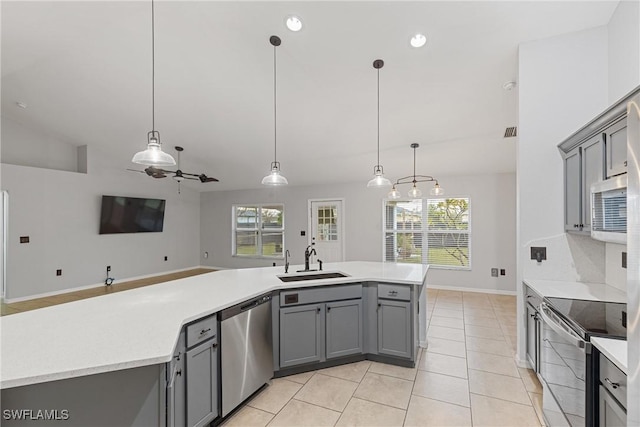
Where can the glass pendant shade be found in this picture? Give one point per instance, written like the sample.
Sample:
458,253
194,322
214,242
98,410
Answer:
153,155
394,194
415,192
275,178
378,179
437,190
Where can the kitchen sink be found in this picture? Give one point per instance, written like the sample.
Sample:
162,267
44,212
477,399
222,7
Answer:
315,276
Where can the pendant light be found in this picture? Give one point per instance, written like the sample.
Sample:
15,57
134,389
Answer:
275,177
378,179
414,179
153,155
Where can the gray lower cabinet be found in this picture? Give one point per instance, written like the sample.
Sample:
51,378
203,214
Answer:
612,414
176,387
301,334
616,144
202,384
394,328
344,328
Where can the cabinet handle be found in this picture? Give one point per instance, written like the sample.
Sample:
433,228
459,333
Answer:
532,316
215,344
612,384
379,305
625,163
318,309
179,372
177,357
204,331
328,308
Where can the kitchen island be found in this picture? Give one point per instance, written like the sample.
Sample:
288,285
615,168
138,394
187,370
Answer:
138,330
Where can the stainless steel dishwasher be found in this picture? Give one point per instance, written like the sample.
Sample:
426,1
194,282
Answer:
246,350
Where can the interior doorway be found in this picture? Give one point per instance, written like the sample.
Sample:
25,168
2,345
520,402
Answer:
326,222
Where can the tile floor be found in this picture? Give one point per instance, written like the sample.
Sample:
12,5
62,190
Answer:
467,376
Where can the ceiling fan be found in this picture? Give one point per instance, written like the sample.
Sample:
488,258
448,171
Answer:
177,175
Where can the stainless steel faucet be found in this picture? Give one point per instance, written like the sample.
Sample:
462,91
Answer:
286,261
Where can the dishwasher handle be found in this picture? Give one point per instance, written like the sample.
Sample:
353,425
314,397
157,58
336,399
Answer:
545,312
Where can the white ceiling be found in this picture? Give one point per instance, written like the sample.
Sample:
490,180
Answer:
84,70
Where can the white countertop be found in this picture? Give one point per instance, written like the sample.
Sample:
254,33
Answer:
576,290
614,350
140,327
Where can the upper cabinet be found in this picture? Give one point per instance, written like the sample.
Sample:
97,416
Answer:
594,153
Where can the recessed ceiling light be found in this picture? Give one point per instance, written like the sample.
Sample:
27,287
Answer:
418,40
294,23
21,104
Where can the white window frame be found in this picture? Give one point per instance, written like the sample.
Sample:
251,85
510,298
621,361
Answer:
259,230
425,232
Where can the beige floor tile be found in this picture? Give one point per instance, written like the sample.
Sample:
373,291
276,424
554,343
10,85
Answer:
351,371
384,389
273,398
477,303
536,399
442,312
530,380
483,332
504,311
442,387
428,412
301,378
449,305
482,321
301,414
393,371
509,329
492,363
448,322
479,312
445,333
249,417
443,364
487,411
507,320
370,414
448,347
328,392
484,345
449,293
498,386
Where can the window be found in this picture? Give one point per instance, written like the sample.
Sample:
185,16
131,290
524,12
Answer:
428,231
258,231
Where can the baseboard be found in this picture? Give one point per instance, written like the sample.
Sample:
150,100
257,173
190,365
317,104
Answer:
97,285
465,289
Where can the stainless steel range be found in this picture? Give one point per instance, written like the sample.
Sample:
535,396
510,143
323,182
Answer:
567,369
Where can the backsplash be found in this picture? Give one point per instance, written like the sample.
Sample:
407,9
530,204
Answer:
570,257
616,275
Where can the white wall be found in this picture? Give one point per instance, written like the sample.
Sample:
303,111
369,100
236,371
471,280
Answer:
60,212
492,215
624,49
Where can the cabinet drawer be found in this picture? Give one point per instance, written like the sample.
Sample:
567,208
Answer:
395,292
321,294
614,380
202,330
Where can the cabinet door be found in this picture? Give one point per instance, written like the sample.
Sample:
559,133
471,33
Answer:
611,413
202,384
592,172
532,337
394,328
176,393
572,191
344,328
301,334
616,143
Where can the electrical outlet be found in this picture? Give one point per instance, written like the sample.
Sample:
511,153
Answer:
166,258
206,255
303,233
108,268
624,260
24,239
539,253
494,272
59,272
503,272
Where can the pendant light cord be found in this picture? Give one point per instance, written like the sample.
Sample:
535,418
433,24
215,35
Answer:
378,118
153,71
414,165
275,114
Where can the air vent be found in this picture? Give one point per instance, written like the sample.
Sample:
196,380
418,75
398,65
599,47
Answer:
511,132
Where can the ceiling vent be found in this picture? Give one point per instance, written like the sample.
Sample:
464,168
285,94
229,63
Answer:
511,132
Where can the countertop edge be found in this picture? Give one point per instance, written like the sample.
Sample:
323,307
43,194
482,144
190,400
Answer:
611,348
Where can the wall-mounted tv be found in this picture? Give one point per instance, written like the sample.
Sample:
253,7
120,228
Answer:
131,215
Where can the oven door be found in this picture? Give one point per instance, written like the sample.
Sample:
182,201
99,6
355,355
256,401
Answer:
563,368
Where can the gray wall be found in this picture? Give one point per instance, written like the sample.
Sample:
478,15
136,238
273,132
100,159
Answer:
492,212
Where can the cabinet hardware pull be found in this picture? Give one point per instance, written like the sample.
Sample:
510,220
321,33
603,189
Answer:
328,308
204,331
215,344
179,372
612,384
379,305
532,315
625,163
318,309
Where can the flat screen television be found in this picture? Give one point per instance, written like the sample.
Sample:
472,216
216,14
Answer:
131,215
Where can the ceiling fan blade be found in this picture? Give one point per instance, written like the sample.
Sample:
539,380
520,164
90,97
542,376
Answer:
134,170
203,178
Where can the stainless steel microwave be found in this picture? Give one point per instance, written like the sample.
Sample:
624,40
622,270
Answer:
609,210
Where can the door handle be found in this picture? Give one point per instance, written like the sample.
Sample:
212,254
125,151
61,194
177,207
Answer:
555,327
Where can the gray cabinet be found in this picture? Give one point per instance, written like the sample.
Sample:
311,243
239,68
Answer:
572,191
534,328
394,328
301,334
612,414
202,383
344,328
592,171
176,386
615,138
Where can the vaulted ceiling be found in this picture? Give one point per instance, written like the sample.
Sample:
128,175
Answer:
84,70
